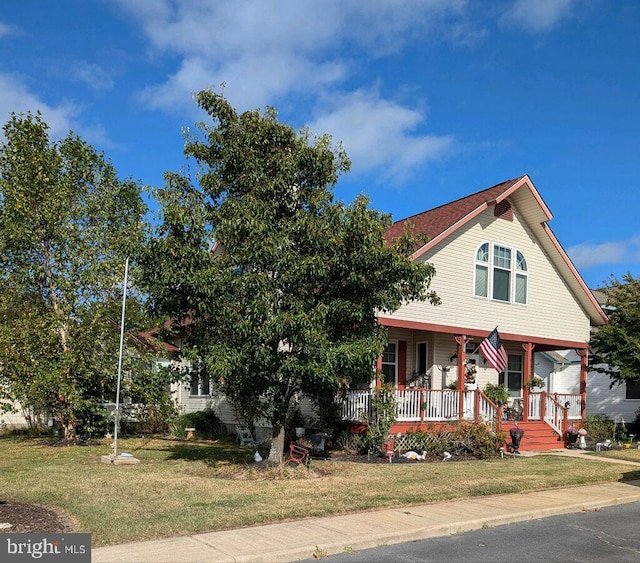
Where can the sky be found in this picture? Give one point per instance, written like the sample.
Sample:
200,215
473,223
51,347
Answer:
432,99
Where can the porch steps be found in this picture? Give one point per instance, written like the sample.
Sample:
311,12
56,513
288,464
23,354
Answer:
537,436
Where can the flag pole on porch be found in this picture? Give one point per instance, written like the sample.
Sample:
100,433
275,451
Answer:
493,351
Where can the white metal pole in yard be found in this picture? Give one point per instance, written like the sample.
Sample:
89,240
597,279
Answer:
117,414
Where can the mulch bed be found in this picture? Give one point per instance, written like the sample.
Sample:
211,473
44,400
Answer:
33,518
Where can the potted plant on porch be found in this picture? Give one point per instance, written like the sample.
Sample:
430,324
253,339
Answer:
535,383
498,394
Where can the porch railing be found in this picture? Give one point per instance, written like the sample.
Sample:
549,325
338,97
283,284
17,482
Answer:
430,405
356,405
555,414
537,404
442,405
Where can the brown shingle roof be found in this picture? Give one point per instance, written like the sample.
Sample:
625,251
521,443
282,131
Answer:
435,221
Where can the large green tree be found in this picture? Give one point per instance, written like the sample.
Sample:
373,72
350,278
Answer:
280,283
616,346
66,225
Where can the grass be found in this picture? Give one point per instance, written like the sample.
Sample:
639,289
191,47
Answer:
187,487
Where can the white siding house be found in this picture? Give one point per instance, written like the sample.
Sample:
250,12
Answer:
498,264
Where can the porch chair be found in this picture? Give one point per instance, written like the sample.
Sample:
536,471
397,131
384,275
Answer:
517,409
298,454
244,436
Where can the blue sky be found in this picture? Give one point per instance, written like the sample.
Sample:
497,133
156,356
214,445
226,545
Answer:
433,99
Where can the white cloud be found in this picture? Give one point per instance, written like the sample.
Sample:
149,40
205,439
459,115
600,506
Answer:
15,97
537,16
588,254
378,133
90,74
251,82
268,50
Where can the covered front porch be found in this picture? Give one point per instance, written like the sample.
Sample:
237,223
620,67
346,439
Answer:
439,376
417,408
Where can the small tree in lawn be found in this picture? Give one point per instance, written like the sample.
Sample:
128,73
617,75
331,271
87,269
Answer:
615,347
66,224
285,303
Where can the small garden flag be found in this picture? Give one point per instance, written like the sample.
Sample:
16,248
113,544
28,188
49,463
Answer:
493,351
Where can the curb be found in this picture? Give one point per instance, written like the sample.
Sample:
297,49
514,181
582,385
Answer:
318,537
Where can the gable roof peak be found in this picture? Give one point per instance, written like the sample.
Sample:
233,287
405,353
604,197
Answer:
437,221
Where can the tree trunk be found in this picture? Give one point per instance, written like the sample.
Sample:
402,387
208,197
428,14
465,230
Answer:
277,447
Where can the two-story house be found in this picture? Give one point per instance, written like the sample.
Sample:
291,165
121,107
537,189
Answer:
498,264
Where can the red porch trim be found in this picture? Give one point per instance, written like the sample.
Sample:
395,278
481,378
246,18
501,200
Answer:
461,339
402,364
541,343
526,376
584,368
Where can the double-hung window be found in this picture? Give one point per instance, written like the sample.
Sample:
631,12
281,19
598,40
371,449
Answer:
200,384
512,379
390,363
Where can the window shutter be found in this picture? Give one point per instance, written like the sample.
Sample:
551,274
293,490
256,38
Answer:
402,364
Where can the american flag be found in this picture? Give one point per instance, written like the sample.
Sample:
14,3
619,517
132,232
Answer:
493,351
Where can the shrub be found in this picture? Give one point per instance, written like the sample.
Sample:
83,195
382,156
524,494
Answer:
599,427
206,423
475,439
383,402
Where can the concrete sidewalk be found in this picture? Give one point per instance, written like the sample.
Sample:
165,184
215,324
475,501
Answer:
296,540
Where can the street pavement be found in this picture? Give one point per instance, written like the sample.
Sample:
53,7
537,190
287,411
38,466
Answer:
317,537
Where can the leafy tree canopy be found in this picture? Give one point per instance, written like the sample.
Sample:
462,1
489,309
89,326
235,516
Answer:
616,346
66,225
280,283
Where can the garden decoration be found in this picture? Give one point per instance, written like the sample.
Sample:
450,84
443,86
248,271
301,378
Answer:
582,433
414,455
516,436
572,437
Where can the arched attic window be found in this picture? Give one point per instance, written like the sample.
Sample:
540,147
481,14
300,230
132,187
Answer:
498,276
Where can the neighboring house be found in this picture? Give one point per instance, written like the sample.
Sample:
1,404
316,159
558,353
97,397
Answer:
498,264
621,403
560,370
13,420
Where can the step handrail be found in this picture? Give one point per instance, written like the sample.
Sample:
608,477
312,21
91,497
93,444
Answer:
554,414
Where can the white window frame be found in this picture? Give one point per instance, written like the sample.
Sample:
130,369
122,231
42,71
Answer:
504,376
200,389
518,272
394,363
523,274
483,265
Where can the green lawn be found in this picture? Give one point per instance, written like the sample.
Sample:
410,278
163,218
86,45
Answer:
184,487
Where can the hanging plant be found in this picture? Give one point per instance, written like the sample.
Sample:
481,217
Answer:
535,382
